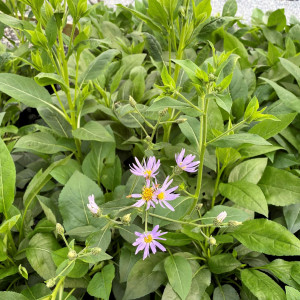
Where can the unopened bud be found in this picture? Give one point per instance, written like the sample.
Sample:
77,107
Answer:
148,139
182,11
199,206
179,121
212,241
126,219
50,283
234,223
96,250
59,229
163,112
211,77
72,255
132,102
181,187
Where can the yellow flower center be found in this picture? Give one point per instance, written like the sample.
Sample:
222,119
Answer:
147,194
161,196
180,165
148,173
148,239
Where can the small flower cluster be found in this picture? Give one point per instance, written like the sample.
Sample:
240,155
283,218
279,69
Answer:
154,193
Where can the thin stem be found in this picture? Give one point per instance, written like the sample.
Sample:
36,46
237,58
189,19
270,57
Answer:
146,220
53,296
202,147
139,124
216,185
226,132
189,102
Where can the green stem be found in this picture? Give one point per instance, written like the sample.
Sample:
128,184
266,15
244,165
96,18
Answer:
57,288
189,102
202,147
146,220
217,185
226,132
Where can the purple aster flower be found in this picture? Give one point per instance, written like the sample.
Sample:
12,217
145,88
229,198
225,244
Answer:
148,169
147,196
147,240
92,206
186,164
163,195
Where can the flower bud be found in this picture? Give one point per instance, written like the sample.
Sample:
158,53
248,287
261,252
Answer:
126,219
148,139
211,77
50,283
179,121
199,206
163,112
72,255
132,102
212,241
96,250
234,223
59,229
220,218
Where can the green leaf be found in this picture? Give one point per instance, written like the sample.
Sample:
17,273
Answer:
179,274
12,296
99,239
8,272
269,128
7,179
112,175
50,78
291,68
288,98
250,170
200,282
261,285
143,17
143,279
41,142
233,43
268,237
280,187
292,217
245,194
39,254
9,224
64,172
73,201
291,293
25,90
224,101
229,8
93,131
127,260
225,292
283,271
222,263
100,285
236,140
153,46
167,102
15,23
190,68
4,8
191,129
277,18
51,31
100,155
233,214
98,65
37,291
157,13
